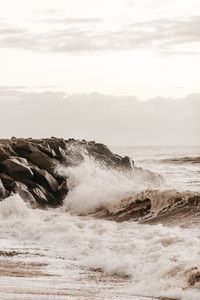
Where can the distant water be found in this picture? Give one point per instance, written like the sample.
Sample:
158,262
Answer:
180,166
58,254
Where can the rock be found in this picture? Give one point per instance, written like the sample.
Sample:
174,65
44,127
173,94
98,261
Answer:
63,190
3,192
50,152
7,181
58,147
6,152
18,167
127,162
23,192
45,179
43,197
23,144
43,161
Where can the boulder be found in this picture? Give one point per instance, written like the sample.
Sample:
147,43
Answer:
126,162
6,152
23,192
50,152
3,192
45,179
25,145
18,167
43,197
43,161
58,146
7,181
62,190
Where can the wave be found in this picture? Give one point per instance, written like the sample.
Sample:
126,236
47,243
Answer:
182,160
153,206
138,196
93,186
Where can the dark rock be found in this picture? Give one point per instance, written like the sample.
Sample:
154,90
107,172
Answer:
63,190
45,179
50,152
7,181
127,162
6,152
23,144
3,192
43,161
23,192
18,167
58,146
44,197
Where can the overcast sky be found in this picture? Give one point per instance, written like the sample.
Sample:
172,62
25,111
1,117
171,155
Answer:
61,52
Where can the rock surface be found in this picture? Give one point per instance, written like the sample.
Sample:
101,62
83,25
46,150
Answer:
28,166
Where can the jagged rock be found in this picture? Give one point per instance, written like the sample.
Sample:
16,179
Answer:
45,179
7,181
63,190
44,197
127,162
23,192
58,146
43,161
23,144
50,152
3,192
6,152
18,167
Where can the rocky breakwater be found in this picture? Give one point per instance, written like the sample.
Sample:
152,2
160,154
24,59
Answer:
28,167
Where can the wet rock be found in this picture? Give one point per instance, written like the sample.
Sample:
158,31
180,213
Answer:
45,179
44,197
3,192
18,167
43,161
63,190
50,152
23,192
7,181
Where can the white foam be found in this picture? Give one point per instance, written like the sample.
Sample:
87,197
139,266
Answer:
157,259
92,186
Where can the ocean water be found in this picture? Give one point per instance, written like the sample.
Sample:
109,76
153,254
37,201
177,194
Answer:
70,253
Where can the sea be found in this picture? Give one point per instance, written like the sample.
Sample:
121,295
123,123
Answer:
72,253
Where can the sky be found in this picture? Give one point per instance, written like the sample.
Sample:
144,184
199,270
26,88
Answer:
77,54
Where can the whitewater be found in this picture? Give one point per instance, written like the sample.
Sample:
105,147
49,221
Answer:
80,251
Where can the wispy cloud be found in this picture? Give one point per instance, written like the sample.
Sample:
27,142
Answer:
95,34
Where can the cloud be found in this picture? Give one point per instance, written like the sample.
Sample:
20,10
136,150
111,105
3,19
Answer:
112,120
72,21
81,35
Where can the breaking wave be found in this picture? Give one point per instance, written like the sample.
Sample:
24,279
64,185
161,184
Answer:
138,195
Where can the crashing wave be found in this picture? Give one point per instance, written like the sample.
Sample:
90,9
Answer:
157,205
